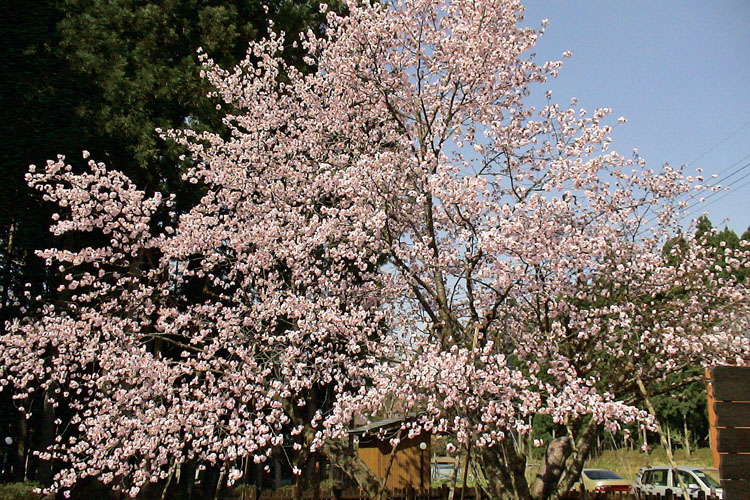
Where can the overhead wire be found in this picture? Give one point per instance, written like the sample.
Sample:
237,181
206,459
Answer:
725,192
688,209
702,202
722,141
716,180
732,165
711,195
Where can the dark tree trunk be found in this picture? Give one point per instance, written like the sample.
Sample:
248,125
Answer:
574,462
21,449
504,468
186,484
551,468
347,460
46,438
208,483
276,469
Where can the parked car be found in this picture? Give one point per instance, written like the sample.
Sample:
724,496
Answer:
602,481
657,479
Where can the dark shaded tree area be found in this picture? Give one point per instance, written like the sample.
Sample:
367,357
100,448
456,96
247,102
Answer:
102,75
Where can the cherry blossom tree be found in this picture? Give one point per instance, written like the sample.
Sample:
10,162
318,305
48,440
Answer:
399,226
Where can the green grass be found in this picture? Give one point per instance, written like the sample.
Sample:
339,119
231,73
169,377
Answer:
19,491
627,463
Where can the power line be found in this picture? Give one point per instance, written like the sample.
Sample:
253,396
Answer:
716,180
727,186
732,165
646,225
737,190
722,141
724,195
687,209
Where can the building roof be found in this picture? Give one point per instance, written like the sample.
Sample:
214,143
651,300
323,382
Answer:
385,424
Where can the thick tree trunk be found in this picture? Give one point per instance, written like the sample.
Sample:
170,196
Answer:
46,438
276,469
574,462
208,482
505,471
22,437
186,483
347,460
551,467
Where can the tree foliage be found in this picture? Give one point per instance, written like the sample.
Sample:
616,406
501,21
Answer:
681,398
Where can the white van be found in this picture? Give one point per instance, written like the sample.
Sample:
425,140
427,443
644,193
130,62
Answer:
657,479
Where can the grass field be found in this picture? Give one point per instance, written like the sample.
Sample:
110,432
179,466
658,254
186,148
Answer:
625,462
18,491
628,462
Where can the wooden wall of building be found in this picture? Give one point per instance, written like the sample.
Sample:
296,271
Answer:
729,417
411,466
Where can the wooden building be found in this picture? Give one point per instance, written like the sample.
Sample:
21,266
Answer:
729,420
408,467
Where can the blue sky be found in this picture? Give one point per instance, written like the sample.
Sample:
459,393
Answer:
679,71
